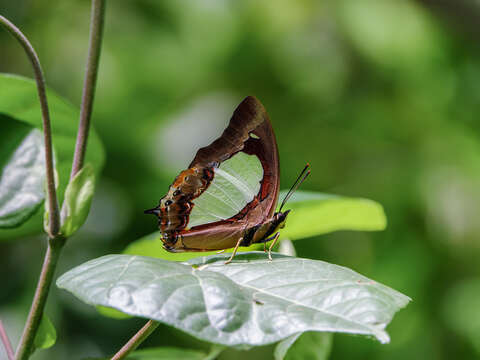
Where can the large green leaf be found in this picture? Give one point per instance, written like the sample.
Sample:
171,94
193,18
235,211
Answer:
316,213
46,335
22,177
251,301
19,104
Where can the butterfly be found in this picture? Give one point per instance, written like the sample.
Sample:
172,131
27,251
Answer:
228,195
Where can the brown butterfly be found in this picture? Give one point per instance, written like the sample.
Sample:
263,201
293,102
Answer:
228,195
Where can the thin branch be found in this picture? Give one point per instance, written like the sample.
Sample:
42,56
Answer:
39,299
6,342
54,215
96,31
136,340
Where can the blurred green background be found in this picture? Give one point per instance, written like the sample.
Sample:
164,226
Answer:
380,96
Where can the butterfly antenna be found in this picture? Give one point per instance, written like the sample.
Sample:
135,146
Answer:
300,179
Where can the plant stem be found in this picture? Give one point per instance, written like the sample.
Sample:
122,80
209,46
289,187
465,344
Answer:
6,342
88,94
136,340
54,216
56,241
41,293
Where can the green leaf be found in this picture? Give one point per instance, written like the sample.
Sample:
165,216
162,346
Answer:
22,177
19,104
78,198
309,345
46,335
251,301
316,213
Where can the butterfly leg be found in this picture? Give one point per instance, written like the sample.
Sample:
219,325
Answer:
264,241
272,245
234,251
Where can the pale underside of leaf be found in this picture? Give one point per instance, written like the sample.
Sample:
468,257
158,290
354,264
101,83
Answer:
22,181
249,302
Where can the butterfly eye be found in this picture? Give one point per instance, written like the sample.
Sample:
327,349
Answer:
168,202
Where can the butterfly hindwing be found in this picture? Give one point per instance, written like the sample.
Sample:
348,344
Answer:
236,182
231,185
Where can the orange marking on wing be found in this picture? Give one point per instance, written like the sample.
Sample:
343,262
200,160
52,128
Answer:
181,177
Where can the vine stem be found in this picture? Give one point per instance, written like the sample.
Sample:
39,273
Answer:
136,340
54,215
96,31
52,254
6,342
55,241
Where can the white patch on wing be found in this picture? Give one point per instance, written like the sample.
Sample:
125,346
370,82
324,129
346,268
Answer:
252,135
235,184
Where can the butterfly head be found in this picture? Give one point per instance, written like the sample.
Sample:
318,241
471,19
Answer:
279,220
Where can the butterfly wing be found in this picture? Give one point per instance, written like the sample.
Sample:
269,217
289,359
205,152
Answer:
231,185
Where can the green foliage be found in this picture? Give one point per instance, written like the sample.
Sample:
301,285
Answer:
46,335
20,110
381,41
461,310
250,302
78,198
381,97
316,213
